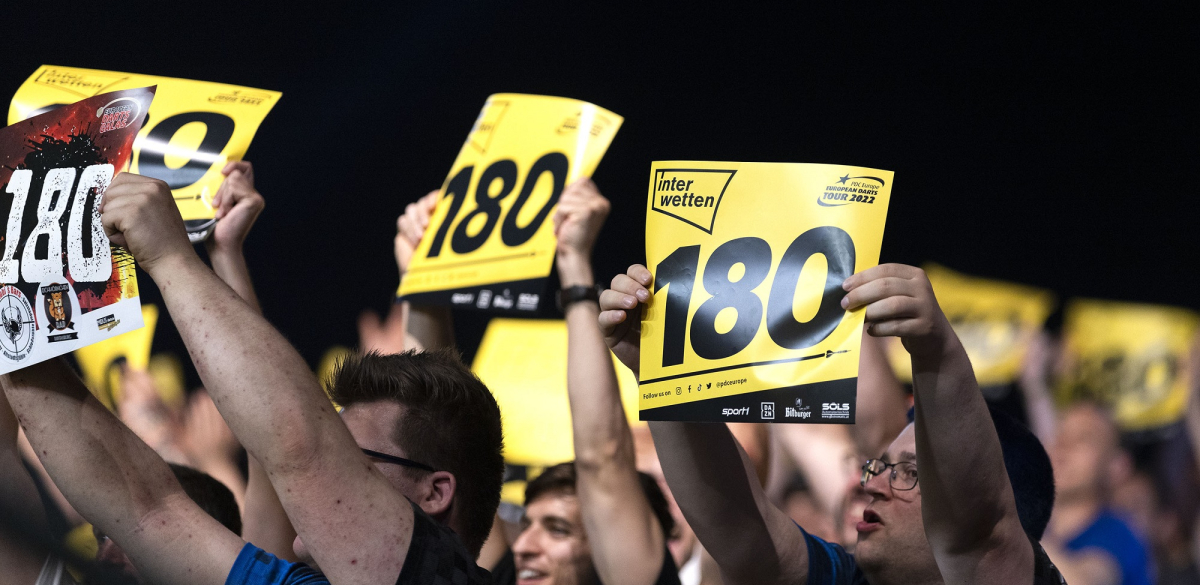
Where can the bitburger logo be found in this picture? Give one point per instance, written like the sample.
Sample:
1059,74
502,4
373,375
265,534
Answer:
16,315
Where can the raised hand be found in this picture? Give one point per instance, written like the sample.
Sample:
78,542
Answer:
140,215
621,314
238,204
577,221
411,226
900,303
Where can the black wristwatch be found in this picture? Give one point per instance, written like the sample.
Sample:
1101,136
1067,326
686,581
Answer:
574,294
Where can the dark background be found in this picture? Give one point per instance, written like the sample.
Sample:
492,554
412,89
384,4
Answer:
1048,145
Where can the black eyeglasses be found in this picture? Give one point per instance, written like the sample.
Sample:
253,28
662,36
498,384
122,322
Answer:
397,460
903,476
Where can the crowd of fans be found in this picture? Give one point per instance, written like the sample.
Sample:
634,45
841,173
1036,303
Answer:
390,471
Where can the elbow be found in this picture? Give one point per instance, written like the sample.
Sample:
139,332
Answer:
593,456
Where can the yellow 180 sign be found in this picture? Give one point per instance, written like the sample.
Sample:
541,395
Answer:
491,247
748,261
193,128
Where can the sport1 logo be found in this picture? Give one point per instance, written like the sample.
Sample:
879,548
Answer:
504,171
677,272
52,204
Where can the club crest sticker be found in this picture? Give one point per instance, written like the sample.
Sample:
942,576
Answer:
58,306
19,326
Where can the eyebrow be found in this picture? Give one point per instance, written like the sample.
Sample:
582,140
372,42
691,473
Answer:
908,456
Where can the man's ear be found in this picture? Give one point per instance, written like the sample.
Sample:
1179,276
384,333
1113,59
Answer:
439,494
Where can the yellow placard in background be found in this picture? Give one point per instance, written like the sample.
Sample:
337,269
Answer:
524,364
995,320
490,242
194,127
748,258
96,360
1131,357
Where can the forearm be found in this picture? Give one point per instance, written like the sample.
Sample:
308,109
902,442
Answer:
716,489
265,522
824,454
262,387
964,484
230,266
600,431
115,480
91,456
627,543
882,401
431,327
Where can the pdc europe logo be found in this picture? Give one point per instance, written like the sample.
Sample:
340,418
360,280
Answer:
690,195
847,190
118,114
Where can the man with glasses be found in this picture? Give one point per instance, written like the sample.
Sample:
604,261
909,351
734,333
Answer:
363,519
943,509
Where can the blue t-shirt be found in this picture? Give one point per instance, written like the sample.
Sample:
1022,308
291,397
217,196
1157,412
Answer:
255,566
830,564
1113,536
435,556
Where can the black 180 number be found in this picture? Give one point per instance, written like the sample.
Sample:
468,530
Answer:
677,273
505,171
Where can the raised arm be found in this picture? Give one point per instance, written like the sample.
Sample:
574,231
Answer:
427,326
116,481
710,476
238,204
269,397
626,539
968,508
21,512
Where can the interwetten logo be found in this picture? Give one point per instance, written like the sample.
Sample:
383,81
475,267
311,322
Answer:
690,195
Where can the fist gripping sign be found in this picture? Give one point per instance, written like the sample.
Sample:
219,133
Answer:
748,261
490,243
62,286
194,128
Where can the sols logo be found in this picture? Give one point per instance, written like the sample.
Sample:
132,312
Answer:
847,190
743,411
835,410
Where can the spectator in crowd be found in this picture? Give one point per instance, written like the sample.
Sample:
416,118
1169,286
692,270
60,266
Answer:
960,523
556,547
1086,539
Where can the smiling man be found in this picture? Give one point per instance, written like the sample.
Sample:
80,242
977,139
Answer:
553,547
944,507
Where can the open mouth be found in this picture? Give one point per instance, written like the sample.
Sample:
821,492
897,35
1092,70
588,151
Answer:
870,522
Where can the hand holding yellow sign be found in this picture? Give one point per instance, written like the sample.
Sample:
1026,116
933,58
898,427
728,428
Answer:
748,262
490,244
1131,357
995,320
194,127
